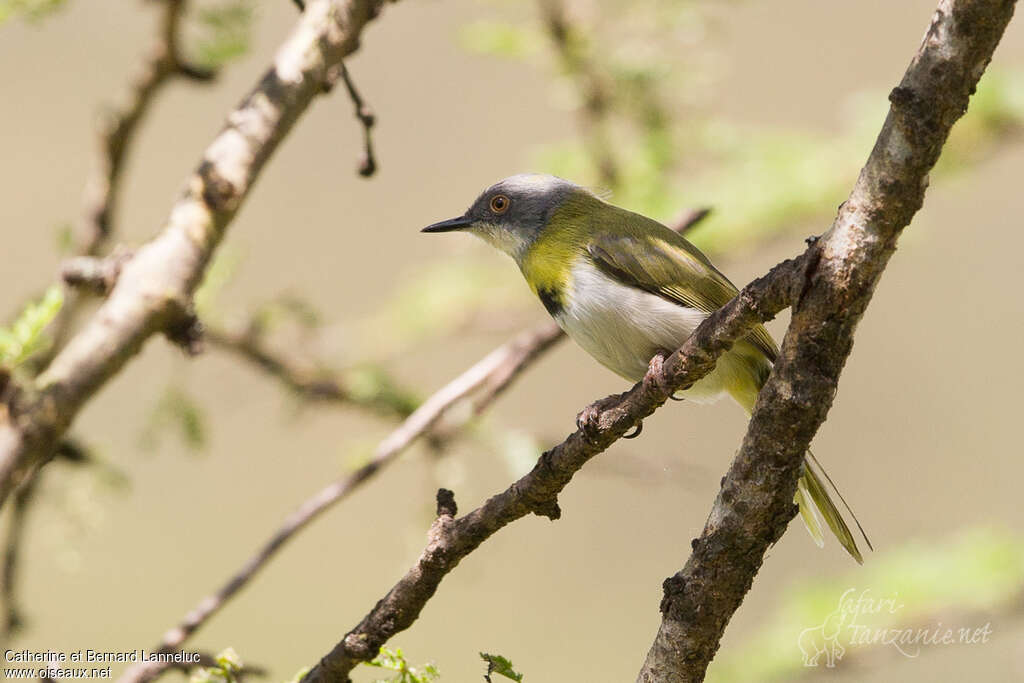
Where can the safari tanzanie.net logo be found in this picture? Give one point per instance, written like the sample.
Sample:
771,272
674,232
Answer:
862,620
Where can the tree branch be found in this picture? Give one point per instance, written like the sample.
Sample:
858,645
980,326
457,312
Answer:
829,286
594,91
154,288
755,503
118,129
368,162
305,379
602,424
486,379
484,382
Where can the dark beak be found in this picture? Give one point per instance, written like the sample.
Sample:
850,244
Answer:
460,223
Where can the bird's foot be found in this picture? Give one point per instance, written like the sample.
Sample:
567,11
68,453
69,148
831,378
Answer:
588,420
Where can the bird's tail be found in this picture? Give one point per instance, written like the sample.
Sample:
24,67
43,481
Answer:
812,494
813,499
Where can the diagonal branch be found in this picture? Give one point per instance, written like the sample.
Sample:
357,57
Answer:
484,382
118,130
155,286
490,376
829,286
451,539
755,503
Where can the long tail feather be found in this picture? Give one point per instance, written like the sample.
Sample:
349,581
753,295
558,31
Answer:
819,497
813,462
809,513
812,496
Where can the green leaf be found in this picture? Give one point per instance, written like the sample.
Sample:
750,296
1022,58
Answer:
957,583
499,39
31,10
496,664
229,666
394,660
176,409
25,335
225,33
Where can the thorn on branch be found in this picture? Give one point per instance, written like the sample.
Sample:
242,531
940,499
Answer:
446,505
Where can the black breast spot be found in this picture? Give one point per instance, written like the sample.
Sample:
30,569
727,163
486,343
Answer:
551,300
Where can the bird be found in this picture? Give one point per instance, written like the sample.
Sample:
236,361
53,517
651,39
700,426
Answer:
624,287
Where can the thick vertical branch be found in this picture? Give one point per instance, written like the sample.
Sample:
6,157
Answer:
755,503
154,287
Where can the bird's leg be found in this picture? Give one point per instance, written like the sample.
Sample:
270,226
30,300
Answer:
636,431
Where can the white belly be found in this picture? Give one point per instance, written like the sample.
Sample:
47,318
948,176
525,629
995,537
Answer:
624,327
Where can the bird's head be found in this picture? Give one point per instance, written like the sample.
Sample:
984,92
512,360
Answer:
512,213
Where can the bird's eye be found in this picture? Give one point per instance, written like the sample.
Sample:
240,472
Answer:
499,203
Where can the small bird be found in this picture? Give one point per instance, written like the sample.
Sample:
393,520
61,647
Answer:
625,287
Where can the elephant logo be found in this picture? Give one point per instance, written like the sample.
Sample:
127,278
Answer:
823,640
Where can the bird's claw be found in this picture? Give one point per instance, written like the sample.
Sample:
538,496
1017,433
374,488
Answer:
586,420
636,431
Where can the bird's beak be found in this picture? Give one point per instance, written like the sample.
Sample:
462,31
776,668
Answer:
460,223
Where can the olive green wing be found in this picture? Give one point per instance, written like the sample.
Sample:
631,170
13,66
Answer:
663,263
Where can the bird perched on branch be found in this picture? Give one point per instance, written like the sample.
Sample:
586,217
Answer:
625,288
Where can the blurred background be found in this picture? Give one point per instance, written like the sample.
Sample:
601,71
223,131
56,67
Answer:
763,112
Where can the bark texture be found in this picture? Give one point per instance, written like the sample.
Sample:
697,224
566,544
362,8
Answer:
601,424
154,287
756,499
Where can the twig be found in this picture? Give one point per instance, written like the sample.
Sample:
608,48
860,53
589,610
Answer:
118,130
155,286
829,286
304,379
70,450
97,275
593,88
488,377
484,382
689,220
116,135
755,503
537,492
13,617
368,163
